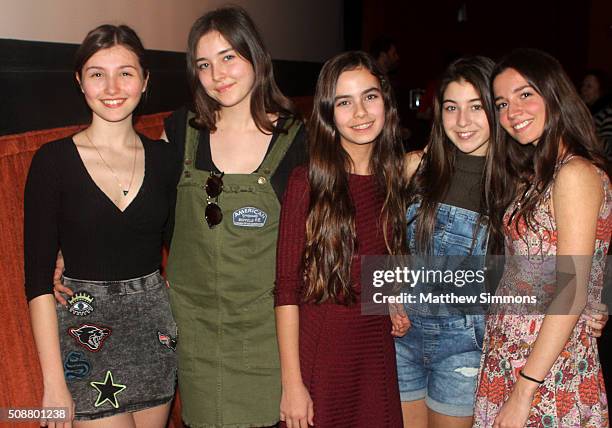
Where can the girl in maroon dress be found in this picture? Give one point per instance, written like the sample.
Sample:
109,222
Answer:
337,365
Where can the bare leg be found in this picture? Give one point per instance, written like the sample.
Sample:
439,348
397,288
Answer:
414,414
123,420
437,420
155,417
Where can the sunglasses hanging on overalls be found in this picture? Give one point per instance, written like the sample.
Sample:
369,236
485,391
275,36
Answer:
213,187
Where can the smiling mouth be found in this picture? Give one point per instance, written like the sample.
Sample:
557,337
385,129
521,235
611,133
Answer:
113,103
224,88
466,135
521,125
363,126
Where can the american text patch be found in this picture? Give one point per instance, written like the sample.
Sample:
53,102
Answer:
249,217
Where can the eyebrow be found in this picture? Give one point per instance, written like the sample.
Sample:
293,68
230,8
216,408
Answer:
514,91
372,89
473,100
221,52
102,68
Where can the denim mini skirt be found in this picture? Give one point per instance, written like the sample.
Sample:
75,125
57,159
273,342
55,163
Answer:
118,342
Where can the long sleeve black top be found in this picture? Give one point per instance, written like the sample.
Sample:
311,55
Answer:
64,209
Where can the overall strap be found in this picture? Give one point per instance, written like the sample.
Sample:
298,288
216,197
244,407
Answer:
192,137
281,145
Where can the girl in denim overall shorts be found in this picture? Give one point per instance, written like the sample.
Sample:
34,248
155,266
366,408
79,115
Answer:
438,359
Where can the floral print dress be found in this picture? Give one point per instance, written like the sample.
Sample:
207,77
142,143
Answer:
573,393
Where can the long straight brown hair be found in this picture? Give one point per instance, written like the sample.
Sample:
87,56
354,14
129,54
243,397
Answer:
235,25
516,169
330,224
432,179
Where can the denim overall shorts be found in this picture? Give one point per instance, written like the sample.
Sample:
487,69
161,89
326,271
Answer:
439,358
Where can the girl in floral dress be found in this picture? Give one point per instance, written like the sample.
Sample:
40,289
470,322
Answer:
550,179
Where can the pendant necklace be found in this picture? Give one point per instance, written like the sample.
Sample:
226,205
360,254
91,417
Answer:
112,171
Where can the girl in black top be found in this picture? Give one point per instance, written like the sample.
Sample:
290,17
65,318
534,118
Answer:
103,197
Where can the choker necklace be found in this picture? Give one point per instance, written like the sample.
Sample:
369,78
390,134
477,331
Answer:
112,171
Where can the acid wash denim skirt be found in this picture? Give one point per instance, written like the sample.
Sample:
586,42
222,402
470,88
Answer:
118,342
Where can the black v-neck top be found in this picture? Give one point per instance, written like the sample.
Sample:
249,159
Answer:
64,208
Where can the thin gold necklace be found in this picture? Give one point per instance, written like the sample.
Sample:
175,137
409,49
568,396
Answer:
112,171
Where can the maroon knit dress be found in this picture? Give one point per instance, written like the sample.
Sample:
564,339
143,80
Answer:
347,359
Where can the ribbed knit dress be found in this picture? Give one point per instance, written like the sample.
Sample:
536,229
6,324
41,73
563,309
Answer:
347,359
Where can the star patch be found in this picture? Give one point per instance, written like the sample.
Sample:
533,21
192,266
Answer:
76,366
167,340
81,304
90,336
107,390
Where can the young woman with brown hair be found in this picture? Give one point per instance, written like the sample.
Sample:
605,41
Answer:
338,366
103,196
237,149
549,177
438,359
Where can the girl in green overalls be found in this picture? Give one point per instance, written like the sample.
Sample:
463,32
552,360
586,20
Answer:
238,150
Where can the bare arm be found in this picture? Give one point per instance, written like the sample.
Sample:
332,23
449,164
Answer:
287,331
296,407
45,330
399,319
296,404
577,198
41,245
411,163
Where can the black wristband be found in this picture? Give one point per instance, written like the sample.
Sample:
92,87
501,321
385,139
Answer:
539,382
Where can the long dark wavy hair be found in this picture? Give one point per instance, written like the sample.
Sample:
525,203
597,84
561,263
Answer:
432,179
235,25
330,225
526,172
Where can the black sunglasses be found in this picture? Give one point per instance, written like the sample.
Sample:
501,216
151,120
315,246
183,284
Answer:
213,187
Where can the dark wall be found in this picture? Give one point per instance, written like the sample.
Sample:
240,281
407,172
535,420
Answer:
352,19
429,34
38,89
600,35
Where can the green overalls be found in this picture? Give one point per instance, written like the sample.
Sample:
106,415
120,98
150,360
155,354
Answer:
221,283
